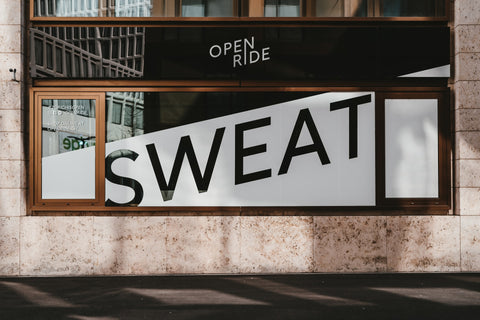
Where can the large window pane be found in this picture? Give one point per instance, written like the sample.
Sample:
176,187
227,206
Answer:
228,8
191,151
413,8
68,152
329,8
411,148
134,8
193,8
207,8
282,8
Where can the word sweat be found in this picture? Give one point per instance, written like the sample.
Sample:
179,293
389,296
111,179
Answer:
318,150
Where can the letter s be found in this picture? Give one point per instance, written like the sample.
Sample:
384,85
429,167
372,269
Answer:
124,181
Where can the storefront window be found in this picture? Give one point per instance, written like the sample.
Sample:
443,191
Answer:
238,8
207,8
340,8
243,149
411,148
68,148
134,8
282,8
413,8
162,114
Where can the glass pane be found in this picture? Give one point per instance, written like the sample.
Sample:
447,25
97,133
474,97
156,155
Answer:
68,152
411,148
116,113
201,133
193,8
289,8
413,8
329,8
219,8
132,104
184,53
128,117
270,8
74,8
134,8
95,55
282,8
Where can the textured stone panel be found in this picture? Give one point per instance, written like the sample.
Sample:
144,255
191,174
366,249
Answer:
11,12
10,120
470,243
10,95
467,12
10,39
468,201
467,66
129,245
10,60
467,145
9,246
423,244
12,202
467,120
56,246
467,38
11,144
203,244
350,244
467,94
467,173
276,244
12,174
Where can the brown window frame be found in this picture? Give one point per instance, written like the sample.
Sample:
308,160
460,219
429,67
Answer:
254,10
36,149
52,88
444,149
84,89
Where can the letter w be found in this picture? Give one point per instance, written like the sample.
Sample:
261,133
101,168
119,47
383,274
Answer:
185,148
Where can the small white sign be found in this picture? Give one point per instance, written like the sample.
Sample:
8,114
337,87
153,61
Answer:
243,52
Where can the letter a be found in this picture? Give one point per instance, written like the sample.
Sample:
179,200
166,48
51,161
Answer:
304,117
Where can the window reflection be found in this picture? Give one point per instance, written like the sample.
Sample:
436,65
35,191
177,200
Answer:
124,115
130,114
134,8
95,52
282,8
207,8
413,8
68,153
237,8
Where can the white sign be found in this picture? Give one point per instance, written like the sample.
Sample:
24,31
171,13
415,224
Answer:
315,151
242,50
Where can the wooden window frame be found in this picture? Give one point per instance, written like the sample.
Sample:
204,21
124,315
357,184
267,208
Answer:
444,148
255,9
37,206
36,149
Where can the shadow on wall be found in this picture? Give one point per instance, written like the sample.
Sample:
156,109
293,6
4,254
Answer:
400,296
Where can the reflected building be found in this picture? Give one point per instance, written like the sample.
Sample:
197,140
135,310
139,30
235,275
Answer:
80,52
93,8
125,115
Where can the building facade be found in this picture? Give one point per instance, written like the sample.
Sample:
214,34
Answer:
175,137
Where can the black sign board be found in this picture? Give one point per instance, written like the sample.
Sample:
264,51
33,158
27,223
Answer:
372,53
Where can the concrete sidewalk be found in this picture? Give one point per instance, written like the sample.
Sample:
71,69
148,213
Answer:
299,296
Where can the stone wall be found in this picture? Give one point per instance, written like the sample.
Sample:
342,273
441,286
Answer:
467,128
12,134
240,244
